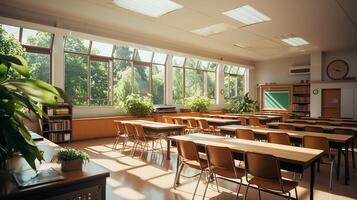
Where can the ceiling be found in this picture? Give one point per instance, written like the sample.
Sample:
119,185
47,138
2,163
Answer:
329,25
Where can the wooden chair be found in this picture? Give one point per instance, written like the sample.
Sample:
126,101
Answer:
188,156
245,134
263,171
168,120
131,135
286,127
285,117
179,121
278,138
313,129
253,121
121,133
321,143
143,140
350,132
221,163
192,124
205,128
243,121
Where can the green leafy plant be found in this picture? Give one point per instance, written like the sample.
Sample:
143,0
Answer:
137,105
242,105
198,103
69,154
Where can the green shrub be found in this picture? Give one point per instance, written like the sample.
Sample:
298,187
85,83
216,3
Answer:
137,105
242,105
69,154
198,103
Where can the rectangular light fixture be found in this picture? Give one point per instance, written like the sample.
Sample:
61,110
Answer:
213,29
295,41
239,45
152,8
247,15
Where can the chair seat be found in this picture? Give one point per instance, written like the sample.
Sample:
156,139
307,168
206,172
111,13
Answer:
326,159
274,185
228,173
195,164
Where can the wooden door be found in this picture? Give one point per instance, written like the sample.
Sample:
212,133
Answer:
331,103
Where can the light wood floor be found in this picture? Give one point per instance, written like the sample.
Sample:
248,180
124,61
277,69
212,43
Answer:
152,177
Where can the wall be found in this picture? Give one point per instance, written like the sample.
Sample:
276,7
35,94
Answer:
350,56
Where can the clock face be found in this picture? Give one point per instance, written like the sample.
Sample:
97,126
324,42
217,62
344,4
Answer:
337,69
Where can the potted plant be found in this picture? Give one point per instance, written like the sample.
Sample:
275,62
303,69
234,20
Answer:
20,94
242,105
137,105
71,159
198,103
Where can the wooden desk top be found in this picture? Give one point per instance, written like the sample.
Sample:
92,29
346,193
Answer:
291,154
234,116
209,119
330,119
257,115
152,125
314,121
294,134
299,125
9,188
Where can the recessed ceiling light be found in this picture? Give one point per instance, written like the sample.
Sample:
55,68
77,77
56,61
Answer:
213,29
239,45
295,41
247,15
152,8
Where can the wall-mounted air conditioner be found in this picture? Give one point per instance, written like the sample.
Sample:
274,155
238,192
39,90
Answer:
299,70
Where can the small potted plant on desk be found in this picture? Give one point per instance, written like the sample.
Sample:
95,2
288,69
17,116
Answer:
71,159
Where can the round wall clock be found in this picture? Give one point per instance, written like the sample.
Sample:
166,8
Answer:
337,69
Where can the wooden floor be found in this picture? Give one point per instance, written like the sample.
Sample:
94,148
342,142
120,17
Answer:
152,177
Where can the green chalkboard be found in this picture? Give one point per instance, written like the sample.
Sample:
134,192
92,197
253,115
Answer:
277,100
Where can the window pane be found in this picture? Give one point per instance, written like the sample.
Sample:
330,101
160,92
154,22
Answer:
226,88
36,38
76,73
194,83
141,79
178,61
227,68
39,66
158,84
202,65
234,70
241,71
99,83
233,87
142,55
159,58
122,74
77,45
124,53
211,85
12,30
177,85
191,63
101,49
212,66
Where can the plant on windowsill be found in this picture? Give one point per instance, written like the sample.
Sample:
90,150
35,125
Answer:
71,159
198,103
137,105
242,105
19,95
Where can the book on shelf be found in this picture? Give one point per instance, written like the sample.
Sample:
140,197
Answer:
56,125
301,90
55,137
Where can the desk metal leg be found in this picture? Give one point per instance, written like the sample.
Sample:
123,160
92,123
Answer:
168,147
353,153
347,172
312,180
338,163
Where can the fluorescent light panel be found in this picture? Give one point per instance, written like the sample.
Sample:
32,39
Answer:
152,8
239,45
213,29
295,41
247,15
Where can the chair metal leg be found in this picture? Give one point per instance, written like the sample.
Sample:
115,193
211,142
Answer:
178,173
331,172
134,148
296,194
198,182
259,193
246,192
204,194
215,178
240,185
289,197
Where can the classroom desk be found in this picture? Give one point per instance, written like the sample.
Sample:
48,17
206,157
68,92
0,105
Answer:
157,128
291,158
263,120
314,121
271,117
337,141
330,119
301,126
211,121
76,185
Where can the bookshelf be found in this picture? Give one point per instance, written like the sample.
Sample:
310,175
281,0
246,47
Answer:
58,126
301,99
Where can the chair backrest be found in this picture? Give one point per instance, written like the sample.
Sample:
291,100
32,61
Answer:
119,126
344,131
243,121
140,132
130,130
203,124
254,121
315,142
279,138
245,134
285,117
168,120
263,166
286,127
324,123
178,121
192,123
220,160
187,150
314,129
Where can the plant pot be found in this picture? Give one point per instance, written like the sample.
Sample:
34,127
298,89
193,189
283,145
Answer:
71,165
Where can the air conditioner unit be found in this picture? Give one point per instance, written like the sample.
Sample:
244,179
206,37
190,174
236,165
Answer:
299,70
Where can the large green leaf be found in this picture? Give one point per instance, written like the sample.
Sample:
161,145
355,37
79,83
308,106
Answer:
13,59
23,70
29,105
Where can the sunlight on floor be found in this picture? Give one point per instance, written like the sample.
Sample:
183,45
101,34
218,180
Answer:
147,172
128,193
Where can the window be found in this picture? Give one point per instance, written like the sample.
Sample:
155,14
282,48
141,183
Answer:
234,83
193,77
38,47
